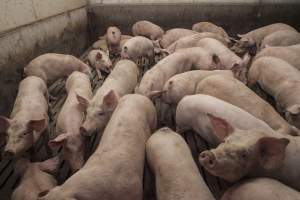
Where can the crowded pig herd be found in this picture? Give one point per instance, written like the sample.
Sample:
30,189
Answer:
242,96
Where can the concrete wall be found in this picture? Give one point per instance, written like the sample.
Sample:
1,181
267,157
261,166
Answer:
236,16
29,28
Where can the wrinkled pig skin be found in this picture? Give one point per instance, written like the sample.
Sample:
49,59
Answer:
282,81
253,153
29,118
100,61
261,189
173,35
281,38
137,48
176,174
70,119
35,178
179,62
194,111
210,27
116,168
113,39
53,66
147,29
253,39
186,83
122,80
191,41
233,91
289,54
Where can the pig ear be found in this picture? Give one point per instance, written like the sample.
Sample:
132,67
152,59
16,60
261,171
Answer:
240,35
272,152
36,125
293,110
238,72
50,165
110,100
98,56
220,127
4,124
82,101
155,94
58,141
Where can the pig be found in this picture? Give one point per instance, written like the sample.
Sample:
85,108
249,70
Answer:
191,41
238,94
115,169
281,38
154,79
53,66
113,39
253,153
252,40
288,54
147,29
137,48
210,27
100,61
195,112
174,34
174,180
282,81
186,83
28,119
70,119
262,189
228,59
122,80
35,178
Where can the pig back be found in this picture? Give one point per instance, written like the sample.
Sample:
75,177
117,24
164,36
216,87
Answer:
122,80
165,149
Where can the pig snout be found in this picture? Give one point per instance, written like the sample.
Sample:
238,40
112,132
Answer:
207,159
8,154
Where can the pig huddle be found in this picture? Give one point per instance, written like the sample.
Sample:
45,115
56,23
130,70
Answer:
207,82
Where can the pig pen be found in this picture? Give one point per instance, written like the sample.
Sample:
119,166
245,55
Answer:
250,14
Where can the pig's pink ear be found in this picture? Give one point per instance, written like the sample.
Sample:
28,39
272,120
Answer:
82,101
220,127
50,165
110,100
98,56
294,110
58,141
4,124
36,125
272,152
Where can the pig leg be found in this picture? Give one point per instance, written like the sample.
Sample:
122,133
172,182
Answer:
99,74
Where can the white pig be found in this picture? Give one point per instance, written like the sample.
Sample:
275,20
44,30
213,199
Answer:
199,112
282,81
122,80
147,29
262,189
115,169
210,27
137,48
176,174
70,119
100,60
174,34
281,38
29,118
236,93
186,83
35,178
53,66
191,41
184,60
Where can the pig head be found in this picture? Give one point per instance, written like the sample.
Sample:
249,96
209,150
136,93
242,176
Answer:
20,134
243,153
98,113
